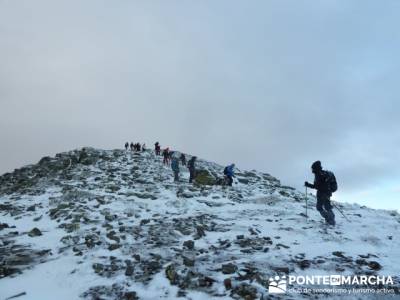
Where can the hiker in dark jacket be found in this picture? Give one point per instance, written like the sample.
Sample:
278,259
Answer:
229,172
157,148
324,193
192,168
126,146
183,159
132,147
166,156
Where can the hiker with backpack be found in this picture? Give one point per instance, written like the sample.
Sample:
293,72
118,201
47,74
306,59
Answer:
166,156
183,159
325,184
229,173
132,147
175,168
126,146
192,168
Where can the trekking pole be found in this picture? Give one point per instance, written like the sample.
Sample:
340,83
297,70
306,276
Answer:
306,206
340,212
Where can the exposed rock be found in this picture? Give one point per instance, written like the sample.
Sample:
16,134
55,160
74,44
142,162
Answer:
278,246
200,232
304,264
31,208
338,254
228,283
35,232
206,281
188,244
129,270
188,262
112,236
98,268
229,268
38,218
281,269
130,296
113,247
4,225
136,257
171,274
246,291
204,177
374,265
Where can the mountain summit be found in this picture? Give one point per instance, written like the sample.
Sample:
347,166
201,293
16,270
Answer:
112,224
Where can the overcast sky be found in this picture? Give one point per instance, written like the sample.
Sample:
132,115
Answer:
269,85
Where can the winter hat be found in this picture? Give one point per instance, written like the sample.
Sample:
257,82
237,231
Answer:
316,166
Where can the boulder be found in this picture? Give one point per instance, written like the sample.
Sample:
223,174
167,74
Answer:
204,177
35,232
171,274
229,268
188,244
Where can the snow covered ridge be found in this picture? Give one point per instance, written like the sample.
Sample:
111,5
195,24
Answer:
112,225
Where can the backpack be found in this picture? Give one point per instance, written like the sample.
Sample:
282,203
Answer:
330,180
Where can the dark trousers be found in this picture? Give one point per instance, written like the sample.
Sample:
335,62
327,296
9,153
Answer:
192,175
230,180
324,207
176,176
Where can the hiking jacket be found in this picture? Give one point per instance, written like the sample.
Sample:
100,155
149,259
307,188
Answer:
320,183
230,171
175,165
191,164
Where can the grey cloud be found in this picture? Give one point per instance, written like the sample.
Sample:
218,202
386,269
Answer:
271,85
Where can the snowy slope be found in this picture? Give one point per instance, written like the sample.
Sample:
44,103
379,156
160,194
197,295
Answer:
115,226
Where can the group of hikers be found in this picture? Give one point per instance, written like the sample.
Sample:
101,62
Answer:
191,165
135,147
324,181
175,160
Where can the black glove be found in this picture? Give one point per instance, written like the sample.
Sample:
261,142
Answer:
307,184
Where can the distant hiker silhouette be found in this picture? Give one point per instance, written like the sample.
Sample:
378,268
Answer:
126,146
192,168
166,156
82,155
157,148
132,147
229,172
183,159
325,184
144,147
175,168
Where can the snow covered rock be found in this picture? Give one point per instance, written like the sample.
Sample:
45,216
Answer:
114,225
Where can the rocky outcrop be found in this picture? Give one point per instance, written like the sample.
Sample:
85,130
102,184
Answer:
131,227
